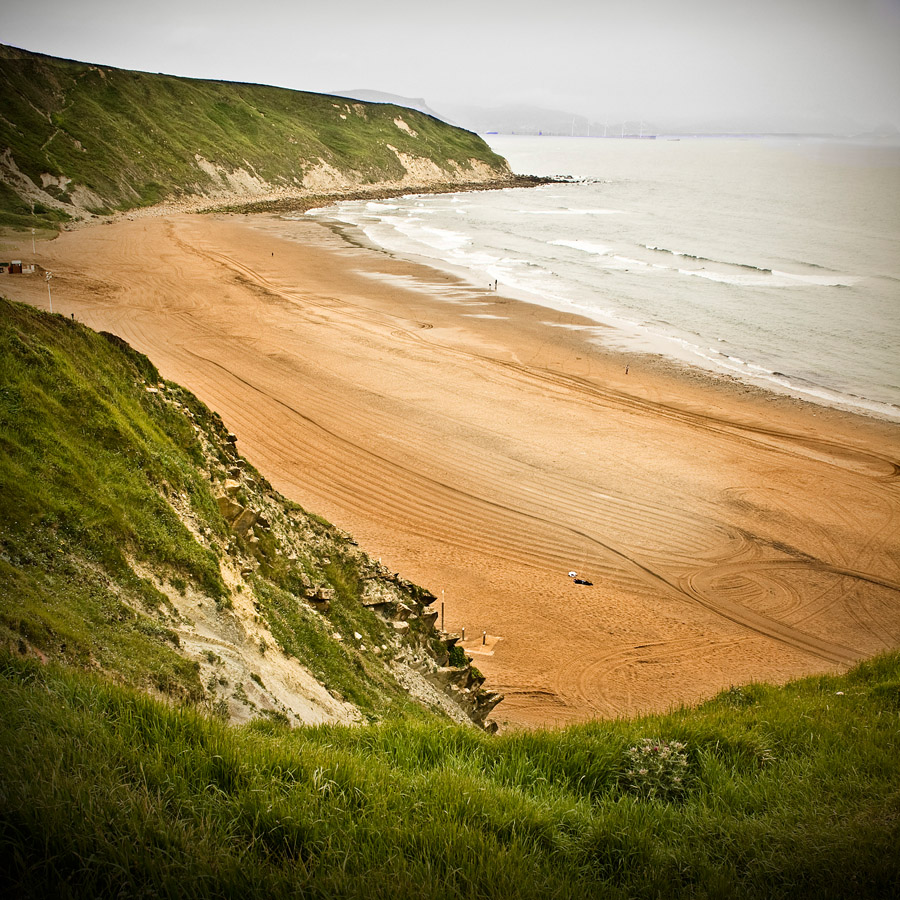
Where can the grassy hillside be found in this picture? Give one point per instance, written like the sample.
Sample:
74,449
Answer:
780,793
131,594
102,139
136,542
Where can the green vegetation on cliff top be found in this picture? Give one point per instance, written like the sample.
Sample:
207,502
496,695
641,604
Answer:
107,791
105,139
82,458
113,540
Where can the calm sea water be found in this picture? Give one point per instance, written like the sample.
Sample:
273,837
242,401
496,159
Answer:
776,261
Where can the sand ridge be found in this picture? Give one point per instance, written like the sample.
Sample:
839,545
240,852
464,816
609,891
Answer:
730,534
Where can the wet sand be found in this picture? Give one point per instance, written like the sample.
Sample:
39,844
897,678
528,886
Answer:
485,448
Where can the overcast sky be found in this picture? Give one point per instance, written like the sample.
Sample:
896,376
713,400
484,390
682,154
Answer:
608,59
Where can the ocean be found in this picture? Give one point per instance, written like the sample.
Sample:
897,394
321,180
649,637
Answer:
775,261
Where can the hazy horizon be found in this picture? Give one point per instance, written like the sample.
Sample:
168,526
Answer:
813,63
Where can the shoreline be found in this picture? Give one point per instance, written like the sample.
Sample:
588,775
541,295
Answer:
731,534
305,202
282,200
614,338
595,330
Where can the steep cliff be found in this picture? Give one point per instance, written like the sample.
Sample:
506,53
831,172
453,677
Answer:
137,542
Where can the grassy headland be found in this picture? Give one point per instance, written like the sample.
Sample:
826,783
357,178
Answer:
118,775
84,138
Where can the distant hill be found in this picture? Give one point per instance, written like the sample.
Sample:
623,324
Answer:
533,120
368,96
517,119
81,139
525,119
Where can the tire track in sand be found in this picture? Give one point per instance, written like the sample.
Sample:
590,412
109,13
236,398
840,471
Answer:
683,589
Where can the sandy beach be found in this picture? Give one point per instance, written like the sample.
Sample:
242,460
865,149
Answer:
485,448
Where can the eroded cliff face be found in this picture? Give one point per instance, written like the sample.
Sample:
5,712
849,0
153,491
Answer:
391,624
138,542
280,566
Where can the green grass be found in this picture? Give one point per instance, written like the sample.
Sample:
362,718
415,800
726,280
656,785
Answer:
132,138
86,455
104,792
94,451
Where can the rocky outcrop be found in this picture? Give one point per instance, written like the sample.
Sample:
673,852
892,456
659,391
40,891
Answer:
417,623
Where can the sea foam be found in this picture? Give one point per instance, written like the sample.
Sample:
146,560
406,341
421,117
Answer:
697,260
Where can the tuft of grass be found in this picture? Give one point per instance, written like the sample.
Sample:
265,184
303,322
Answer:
458,656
